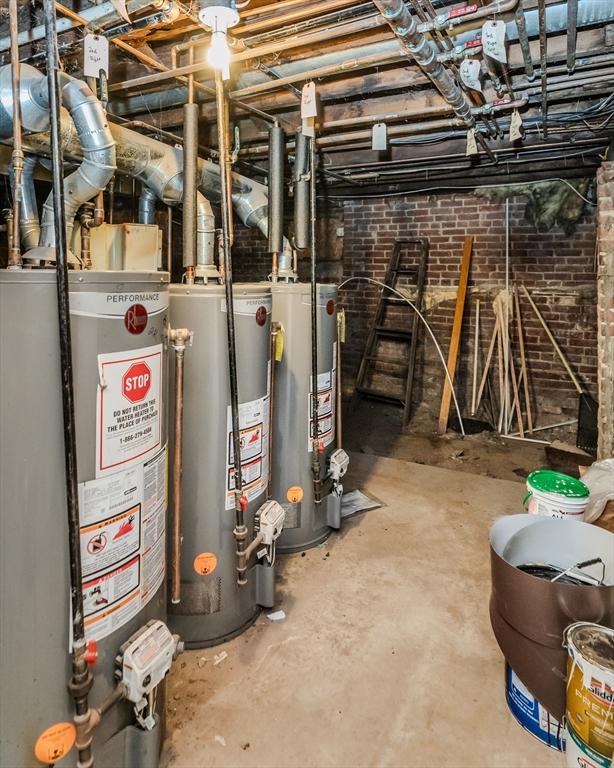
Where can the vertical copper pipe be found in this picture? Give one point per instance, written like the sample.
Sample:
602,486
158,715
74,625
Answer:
169,238
177,476
274,332
339,396
15,261
543,59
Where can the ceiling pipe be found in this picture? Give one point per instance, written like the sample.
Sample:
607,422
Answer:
417,47
96,14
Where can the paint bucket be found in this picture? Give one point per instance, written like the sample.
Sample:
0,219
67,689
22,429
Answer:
553,494
579,755
531,715
590,685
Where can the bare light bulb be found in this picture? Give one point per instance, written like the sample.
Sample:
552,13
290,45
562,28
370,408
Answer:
218,55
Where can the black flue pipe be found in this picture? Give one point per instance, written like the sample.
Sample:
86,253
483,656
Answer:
240,531
81,679
277,148
301,192
315,458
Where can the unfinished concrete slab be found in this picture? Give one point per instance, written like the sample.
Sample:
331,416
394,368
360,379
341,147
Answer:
385,658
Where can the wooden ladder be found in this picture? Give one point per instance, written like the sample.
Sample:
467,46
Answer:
405,334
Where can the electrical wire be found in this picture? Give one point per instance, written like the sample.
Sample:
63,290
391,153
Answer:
452,188
428,328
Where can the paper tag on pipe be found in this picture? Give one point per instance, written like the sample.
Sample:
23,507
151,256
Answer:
95,55
493,40
516,132
309,127
309,103
341,326
279,344
120,7
472,146
470,74
379,137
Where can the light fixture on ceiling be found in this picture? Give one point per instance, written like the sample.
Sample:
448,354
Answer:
219,16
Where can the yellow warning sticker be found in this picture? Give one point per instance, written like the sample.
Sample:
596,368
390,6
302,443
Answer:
295,494
205,563
55,742
341,326
279,344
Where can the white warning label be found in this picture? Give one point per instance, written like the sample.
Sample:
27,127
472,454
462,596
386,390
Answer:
327,393
254,436
122,524
129,408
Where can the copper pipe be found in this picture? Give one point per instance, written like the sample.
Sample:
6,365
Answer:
169,238
543,57
15,261
339,397
8,217
98,219
179,339
275,327
277,20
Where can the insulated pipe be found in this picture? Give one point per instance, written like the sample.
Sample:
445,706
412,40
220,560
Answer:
29,222
205,238
190,169
301,192
276,194
81,680
98,165
417,47
14,260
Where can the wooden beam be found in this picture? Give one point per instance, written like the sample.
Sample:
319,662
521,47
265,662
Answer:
457,327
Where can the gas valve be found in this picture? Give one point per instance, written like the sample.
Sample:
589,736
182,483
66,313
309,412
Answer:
338,464
269,524
143,662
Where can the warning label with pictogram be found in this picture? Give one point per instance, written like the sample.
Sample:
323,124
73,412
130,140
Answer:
122,521
327,393
254,438
129,408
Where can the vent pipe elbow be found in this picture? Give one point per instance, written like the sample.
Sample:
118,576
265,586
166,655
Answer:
205,232
147,206
98,165
29,223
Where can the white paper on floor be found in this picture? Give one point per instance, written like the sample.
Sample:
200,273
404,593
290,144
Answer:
357,501
276,616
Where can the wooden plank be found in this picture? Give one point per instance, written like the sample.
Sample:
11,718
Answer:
457,326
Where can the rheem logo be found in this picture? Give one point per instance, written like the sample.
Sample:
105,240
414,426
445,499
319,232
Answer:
136,382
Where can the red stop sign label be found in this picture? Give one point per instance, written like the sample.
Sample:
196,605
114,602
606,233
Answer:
136,382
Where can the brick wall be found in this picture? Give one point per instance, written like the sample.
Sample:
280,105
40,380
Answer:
605,194
558,270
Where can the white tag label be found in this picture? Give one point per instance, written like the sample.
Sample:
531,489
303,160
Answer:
470,74
516,126
309,104
309,127
120,7
493,40
379,140
95,55
472,147
254,440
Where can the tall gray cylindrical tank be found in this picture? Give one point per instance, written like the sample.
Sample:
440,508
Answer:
213,607
124,576
306,522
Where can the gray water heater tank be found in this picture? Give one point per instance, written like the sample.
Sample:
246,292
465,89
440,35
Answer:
306,523
213,608
119,356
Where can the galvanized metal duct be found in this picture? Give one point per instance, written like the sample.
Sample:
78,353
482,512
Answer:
147,206
158,166
98,14
415,45
29,223
98,165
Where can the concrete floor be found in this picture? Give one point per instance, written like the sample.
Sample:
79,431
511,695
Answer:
386,657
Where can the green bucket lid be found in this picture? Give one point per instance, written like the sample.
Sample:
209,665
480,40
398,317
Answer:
547,481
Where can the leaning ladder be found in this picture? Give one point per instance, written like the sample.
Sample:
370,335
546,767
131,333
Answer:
403,335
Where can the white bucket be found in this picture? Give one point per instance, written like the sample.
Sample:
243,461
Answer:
553,505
